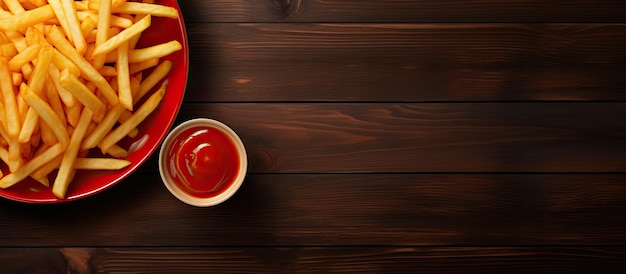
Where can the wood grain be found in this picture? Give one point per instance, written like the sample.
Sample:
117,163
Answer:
339,210
396,137
403,11
370,260
316,260
406,62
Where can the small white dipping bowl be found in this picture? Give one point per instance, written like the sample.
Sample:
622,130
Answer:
166,177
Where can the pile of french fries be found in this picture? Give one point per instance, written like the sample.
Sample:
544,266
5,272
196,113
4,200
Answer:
72,79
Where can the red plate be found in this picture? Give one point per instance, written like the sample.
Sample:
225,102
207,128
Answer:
151,132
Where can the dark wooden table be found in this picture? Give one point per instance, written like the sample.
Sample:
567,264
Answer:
383,136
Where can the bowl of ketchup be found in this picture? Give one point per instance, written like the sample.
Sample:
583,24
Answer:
202,162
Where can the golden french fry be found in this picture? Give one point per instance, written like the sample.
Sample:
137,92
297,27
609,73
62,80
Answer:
74,26
116,21
22,58
153,79
35,84
141,8
87,25
123,77
86,68
14,6
67,97
4,154
101,163
102,32
118,152
27,18
40,72
82,93
73,114
8,50
38,3
66,170
59,12
32,165
46,112
137,67
125,35
29,126
5,14
82,5
46,133
15,155
157,51
48,167
101,130
54,100
122,130
60,61
108,71
12,114
17,78
3,124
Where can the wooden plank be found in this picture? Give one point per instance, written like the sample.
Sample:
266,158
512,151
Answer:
313,260
398,137
403,11
406,62
339,210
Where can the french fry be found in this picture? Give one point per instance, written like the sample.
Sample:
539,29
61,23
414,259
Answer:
82,93
8,50
101,163
102,32
67,97
118,133
12,114
35,84
46,112
125,35
137,67
14,6
53,99
107,123
153,79
2,122
108,71
74,26
46,133
73,114
17,78
27,18
32,165
154,52
40,73
38,3
60,61
87,25
117,152
22,58
48,167
59,12
66,170
115,21
4,154
123,77
142,8
86,68
15,155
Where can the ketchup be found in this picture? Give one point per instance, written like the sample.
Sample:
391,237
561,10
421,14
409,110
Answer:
203,162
